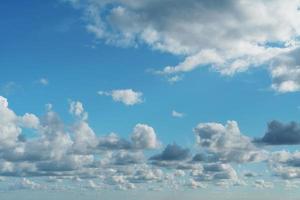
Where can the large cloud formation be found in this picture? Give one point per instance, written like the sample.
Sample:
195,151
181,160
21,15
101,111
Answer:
227,143
56,152
279,133
230,36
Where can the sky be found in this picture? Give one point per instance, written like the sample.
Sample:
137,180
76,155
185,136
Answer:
151,99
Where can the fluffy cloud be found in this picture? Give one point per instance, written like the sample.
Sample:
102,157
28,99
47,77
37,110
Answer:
227,142
285,72
172,152
75,151
144,137
245,34
29,120
279,133
127,96
76,109
221,174
285,164
3,102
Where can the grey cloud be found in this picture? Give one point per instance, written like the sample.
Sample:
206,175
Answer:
279,133
113,142
172,152
205,157
128,158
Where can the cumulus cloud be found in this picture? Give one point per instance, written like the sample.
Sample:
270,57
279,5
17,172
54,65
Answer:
144,137
30,120
172,152
279,133
285,164
113,142
227,142
127,96
3,102
76,109
285,72
63,150
219,173
245,34
74,151
127,158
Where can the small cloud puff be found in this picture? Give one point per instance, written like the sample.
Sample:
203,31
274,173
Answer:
128,97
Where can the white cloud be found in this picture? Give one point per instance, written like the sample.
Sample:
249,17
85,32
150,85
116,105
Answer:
9,129
245,34
285,164
144,137
127,96
74,151
285,72
177,114
3,102
30,120
84,137
228,142
76,109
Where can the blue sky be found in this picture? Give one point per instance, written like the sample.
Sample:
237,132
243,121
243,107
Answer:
126,66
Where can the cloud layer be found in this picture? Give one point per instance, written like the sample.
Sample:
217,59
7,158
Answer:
58,152
230,36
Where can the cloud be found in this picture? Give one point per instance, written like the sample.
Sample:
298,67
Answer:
195,184
25,183
127,96
285,72
127,158
172,152
3,102
219,173
177,114
113,142
76,109
174,79
74,151
285,164
263,184
144,137
43,81
29,120
279,133
227,142
243,35
9,88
